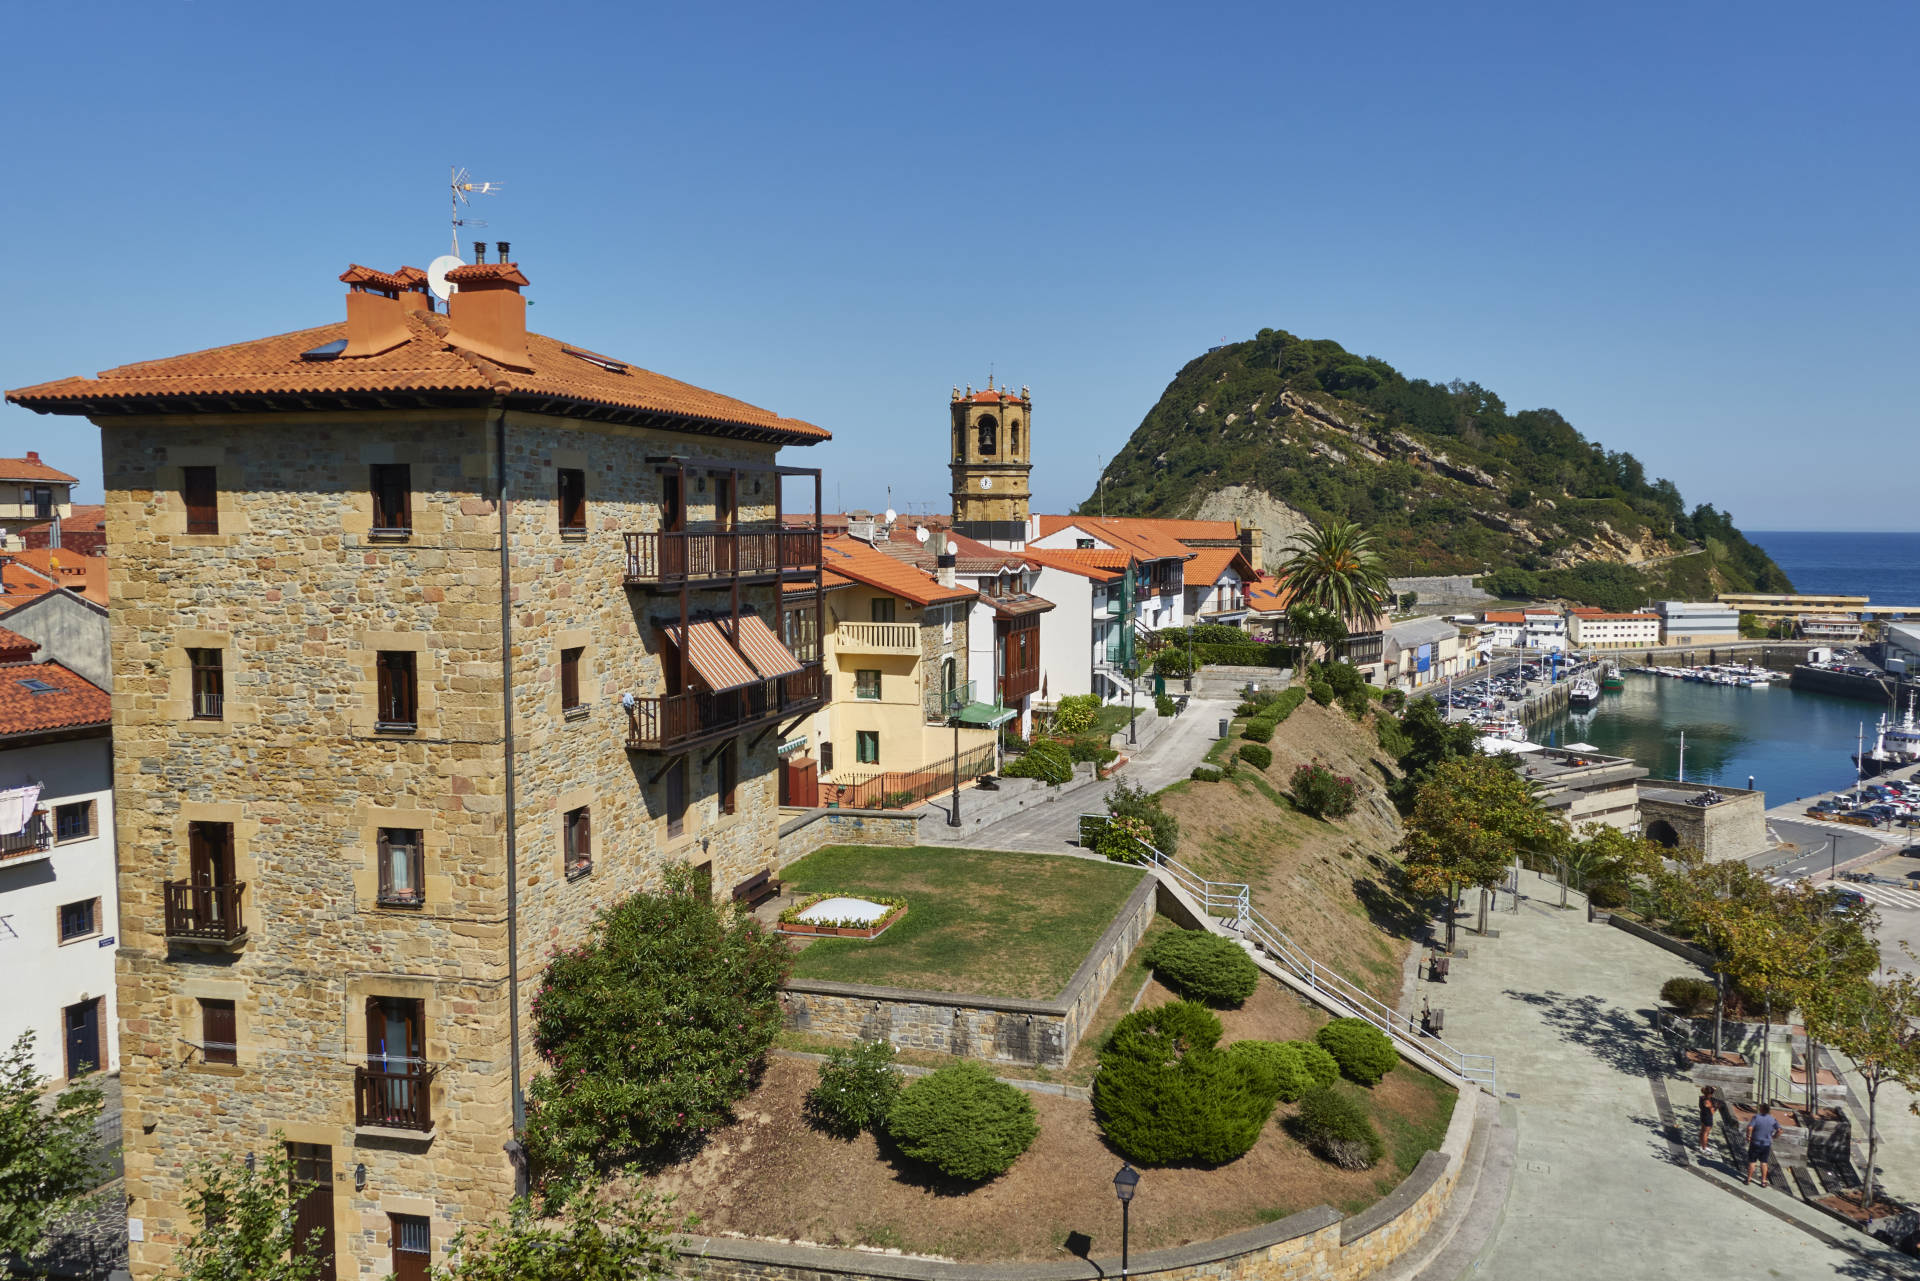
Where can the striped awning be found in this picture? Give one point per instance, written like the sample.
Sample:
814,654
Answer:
719,664
763,649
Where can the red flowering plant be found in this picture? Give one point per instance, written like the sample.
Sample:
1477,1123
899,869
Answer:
1322,793
650,1032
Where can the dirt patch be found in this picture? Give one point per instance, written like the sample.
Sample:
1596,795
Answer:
1846,1205
773,1176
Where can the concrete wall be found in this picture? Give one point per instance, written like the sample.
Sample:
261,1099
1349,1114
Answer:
994,1029
72,631
43,974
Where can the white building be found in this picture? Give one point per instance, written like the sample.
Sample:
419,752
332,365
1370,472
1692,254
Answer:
1507,626
58,916
1697,622
1156,558
1422,651
1083,637
1593,629
1544,629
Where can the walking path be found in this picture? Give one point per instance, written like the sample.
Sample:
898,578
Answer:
1599,1183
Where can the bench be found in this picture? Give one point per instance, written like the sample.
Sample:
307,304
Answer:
757,889
1437,967
1432,1020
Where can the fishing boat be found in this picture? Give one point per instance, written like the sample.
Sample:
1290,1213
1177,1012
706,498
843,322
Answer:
1610,679
1585,693
1895,743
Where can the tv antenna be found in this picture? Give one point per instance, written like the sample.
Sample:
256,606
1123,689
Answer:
461,190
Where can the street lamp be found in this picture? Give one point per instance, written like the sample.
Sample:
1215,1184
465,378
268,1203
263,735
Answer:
1123,1186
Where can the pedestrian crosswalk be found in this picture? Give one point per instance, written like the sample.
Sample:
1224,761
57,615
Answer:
1885,895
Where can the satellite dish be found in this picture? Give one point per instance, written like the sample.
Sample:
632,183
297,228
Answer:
920,533
891,516
437,276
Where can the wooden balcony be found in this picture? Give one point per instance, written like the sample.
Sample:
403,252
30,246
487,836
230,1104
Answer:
394,1098
670,722
1015,686
878,638
205,913
674,558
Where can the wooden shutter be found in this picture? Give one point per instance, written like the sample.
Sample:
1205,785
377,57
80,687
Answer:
392,485
569,678
677,798
729,769
201,493
385,855
217,1032
408,689
583,843
383,671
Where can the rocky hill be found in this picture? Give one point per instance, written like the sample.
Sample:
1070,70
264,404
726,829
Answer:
1285,432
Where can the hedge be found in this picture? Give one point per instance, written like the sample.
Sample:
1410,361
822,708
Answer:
1257,731
1244,655
1363,1051
1207,774
963,1122
1256,755
1204,967
1339,1129
1044,759
1290,1068
1165,1093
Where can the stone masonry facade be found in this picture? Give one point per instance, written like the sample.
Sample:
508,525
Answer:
298,596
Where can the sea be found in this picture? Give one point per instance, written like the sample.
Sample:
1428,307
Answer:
1791,743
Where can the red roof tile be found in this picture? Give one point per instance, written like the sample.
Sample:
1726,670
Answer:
1144,543
475,271
1087,564
15,648
358,275
31,468
1209,563
72,701
851,558
1181,530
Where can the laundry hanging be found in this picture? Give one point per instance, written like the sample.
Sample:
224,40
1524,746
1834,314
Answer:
16,807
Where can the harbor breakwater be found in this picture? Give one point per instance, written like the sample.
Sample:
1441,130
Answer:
1870,689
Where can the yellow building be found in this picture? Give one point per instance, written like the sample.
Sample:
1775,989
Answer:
992,460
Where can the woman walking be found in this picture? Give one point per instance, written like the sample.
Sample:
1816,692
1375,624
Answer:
1709,1109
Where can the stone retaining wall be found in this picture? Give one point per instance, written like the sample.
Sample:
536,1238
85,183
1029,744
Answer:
807,833
1314,1245
990,1028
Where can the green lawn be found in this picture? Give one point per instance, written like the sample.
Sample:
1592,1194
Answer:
1113,717
977,921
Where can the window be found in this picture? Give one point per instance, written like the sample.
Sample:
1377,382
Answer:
402,867
392,485
883,609
1013,436
579,839
1083,544
73,822
78,920
728,778
218,1038
412,1247
826,759
398,691
677,798
573,501
209,684
866,683
570,678
989,431
43,502
866,744
200,492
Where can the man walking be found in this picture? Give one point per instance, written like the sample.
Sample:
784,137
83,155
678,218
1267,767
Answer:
1760,1131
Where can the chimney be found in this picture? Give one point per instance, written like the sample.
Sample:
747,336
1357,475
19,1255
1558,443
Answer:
415,296
486,315
1250,547
376,321
943,562
33,455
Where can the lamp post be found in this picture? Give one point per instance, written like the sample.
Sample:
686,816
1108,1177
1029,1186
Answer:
1123,1186
953,719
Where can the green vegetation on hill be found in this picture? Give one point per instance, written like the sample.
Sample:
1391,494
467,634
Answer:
1444,476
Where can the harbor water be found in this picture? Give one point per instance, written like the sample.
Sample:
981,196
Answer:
1793,743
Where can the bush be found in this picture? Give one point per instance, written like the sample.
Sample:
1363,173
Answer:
857,1086
1257,731
1204,967
1286,704
1163,707
1172,661
1393,700
1119,839
1044,759
1076,713
1128,801
1090,747
1338,1129
1322,793
652,1031
1393,740
1322,692
963,1122
1607,894
1688,995
1165,1093
1256,755
1257,700
1207,774
1355,704
1345,679
1363,1051
1290,1068
1254,654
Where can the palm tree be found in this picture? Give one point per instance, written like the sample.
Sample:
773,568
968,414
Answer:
1336,568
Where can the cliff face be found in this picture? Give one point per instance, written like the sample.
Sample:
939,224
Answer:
1285,433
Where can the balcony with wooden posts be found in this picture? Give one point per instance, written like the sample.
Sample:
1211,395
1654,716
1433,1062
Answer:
35,838
879,638
674,722
205,914
683,557
395,1096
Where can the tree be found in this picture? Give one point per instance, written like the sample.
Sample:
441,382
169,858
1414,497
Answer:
47,1154
1432,740
1469,820
1136,802
247,1206
1607,856
1705,900
1877,1025
651,1032
1337,568
596,1237
1315,626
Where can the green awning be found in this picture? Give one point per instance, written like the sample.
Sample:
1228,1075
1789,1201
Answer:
987,715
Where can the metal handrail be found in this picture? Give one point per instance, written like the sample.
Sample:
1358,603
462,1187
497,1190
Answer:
1235,900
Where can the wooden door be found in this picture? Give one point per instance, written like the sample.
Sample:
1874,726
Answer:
82,1023
210,869
313,1205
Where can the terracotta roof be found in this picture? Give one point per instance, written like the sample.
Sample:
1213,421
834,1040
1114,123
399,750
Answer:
1016,606
271,372
1182,530
1144,543
1504,616
1209,563
477,271
969,556
828,582
31,468
60,567
15,648
72,701
1590,617
1074,561
997,395
358,275
1268,597
859,561
85,517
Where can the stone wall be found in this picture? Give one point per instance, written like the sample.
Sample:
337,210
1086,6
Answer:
803,835
994,1029
1314,1245
1733,828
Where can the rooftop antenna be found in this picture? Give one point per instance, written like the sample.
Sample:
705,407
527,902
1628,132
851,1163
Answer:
461,189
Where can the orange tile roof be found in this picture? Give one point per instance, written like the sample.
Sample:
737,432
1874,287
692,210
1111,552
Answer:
1088,564
63,567
1209,563
851,558
358,275
72,702
1144,543
995,395
31,468
15,648
270,373
1268,597
1504,616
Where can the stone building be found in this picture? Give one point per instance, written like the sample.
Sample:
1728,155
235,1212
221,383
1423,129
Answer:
431,636
992,452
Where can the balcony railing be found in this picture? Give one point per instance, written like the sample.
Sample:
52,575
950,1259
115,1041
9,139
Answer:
879,638
396,1098
664,722
210,912
1015,686
693,555
943,703
30,839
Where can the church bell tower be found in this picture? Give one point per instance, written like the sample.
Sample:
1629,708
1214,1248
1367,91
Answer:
992,445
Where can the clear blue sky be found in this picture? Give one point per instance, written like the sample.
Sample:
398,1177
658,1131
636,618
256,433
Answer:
1688,228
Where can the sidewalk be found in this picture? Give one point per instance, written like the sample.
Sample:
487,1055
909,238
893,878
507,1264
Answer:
1599,1184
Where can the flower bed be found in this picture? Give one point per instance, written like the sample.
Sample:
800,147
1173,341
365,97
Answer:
848,928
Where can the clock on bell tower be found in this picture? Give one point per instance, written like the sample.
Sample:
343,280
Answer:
991,459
